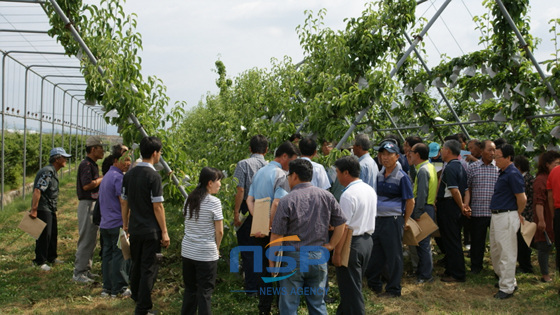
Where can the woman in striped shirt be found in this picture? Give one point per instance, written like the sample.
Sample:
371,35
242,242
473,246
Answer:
203,233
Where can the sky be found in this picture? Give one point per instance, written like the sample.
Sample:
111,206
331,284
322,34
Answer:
183,39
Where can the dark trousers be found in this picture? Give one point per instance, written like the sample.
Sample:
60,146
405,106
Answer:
424,251
556,223
543,254
265,299
46,244
449,220
350,278
479,230
143,250
199,278
112,260
523,254
244,239
466,226
386,254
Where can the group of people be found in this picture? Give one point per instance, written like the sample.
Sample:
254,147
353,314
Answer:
112,195
313,210
468,194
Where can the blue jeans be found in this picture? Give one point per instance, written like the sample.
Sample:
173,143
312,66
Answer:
314,280
111,265
424,250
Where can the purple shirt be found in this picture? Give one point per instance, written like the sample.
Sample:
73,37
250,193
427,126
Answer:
109,203
307,212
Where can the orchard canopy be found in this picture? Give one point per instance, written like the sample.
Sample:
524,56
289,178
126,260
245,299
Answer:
369,76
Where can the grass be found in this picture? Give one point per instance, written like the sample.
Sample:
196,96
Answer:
24,289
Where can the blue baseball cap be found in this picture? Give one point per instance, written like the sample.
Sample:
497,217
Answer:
59,151
434,149
389,146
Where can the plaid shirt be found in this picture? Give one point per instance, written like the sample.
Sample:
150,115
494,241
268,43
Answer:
480,180
246,169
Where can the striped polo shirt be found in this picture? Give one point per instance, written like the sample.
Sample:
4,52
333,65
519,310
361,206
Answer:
392,192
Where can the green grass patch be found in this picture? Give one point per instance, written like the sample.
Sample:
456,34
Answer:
25,289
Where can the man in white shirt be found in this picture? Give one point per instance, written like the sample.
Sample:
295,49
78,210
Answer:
359,205
308,150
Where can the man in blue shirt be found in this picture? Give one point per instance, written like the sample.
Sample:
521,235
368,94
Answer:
308,150
270,181
508,201
395,203
368,167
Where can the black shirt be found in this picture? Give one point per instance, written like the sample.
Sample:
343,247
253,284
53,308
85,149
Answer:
141,188
87,172
46,181
453,176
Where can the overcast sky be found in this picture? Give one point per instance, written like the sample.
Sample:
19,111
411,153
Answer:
183,39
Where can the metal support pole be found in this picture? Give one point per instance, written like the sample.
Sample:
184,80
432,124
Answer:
24,132
93,60
417,39
70,133
52,117
3,122
41,126
525,46
437,87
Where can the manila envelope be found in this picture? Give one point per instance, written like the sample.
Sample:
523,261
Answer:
261,217
427,226
33,227
409,236
528,230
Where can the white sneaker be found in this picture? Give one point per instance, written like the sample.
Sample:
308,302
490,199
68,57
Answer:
82,279
126,293
105,294
45,267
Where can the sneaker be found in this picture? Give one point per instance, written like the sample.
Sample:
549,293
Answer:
91,275
45,267
82,279
125,292
57,262
105,293
152,312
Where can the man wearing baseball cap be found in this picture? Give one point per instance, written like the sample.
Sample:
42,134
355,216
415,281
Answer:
44,205
87,187
395,202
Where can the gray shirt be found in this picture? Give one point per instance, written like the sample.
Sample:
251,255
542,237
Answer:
307,212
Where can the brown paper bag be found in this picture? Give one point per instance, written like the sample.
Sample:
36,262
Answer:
409,236
261,217
345,253
427,226
33,227
125,246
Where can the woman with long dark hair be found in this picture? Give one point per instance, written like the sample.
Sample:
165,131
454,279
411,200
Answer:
542,215
204,230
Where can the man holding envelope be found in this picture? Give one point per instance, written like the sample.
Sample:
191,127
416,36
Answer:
359,205
44,205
